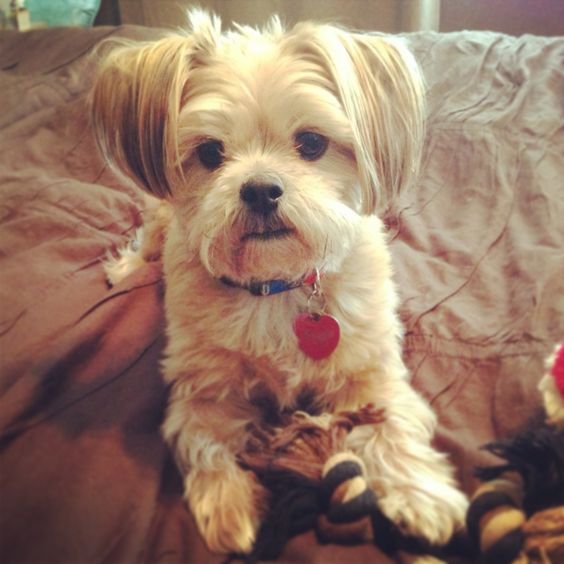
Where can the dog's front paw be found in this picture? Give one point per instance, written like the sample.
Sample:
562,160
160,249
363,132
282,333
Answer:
430,510
227,508
125,261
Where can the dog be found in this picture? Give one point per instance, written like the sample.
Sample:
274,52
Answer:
274,154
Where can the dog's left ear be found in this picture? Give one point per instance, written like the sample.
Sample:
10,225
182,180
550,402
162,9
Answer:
381,90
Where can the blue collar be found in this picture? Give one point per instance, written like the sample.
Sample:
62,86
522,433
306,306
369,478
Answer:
270,287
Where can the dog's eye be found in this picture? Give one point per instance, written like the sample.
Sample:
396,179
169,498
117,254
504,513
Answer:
311,146
210,154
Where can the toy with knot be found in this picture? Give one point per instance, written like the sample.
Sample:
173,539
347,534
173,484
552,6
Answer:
517,514
315,483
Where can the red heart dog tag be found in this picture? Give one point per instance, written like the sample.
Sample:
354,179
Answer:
318,335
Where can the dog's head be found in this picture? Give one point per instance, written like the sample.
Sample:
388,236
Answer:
269,144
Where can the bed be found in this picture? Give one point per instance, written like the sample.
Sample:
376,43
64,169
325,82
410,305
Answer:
478,248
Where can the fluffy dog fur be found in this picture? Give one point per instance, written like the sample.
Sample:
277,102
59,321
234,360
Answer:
252,94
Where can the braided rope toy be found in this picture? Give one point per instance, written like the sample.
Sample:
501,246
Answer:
315,483
517,514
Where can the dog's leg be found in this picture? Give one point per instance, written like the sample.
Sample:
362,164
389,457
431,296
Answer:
225,504
226,501
414,483
146,245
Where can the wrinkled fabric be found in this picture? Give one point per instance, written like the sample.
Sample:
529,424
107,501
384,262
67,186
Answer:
478,248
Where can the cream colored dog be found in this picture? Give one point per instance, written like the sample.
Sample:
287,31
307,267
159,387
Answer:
273,153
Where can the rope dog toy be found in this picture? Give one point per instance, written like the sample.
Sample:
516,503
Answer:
316,483
517,514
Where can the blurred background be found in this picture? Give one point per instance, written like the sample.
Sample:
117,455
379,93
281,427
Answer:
514,17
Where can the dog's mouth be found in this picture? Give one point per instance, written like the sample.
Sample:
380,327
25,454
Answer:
264,228
267,234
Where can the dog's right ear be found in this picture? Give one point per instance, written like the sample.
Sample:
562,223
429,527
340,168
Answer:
137,98
134,108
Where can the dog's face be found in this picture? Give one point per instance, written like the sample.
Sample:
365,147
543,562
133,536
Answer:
268,144
271,178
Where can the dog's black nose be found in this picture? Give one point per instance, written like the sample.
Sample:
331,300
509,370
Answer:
261,198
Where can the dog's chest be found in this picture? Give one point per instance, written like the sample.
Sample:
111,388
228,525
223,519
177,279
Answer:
262,332
271,408
261,327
